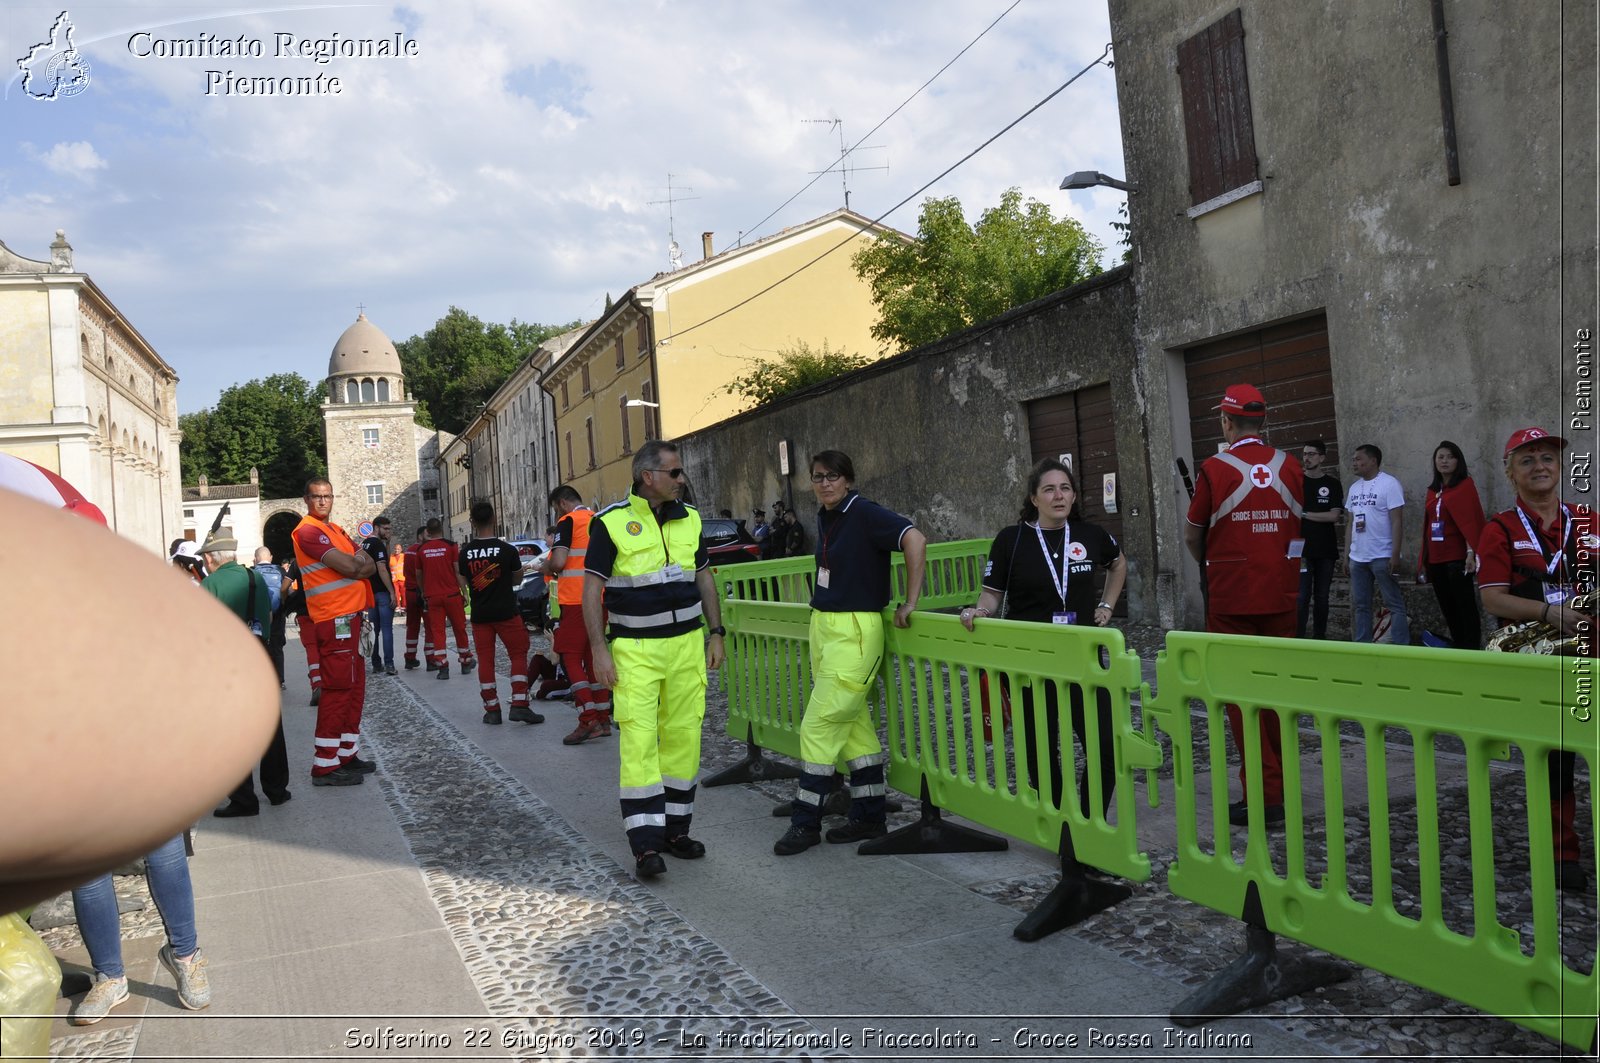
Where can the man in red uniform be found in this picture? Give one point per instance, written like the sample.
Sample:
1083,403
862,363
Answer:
492,568
1244,527
412,582
571,640
442,592
334,573
1533,560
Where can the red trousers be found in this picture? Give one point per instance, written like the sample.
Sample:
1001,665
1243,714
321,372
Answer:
308,639
440,610
1273,625
514,634
414,612
344,691
571,641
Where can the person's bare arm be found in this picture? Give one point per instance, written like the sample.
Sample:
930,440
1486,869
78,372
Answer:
594,594
358,565
140,730
715,644
1116,576
915,547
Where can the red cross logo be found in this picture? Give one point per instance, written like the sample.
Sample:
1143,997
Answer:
1261,476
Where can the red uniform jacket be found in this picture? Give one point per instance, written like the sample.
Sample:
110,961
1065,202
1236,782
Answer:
1248,499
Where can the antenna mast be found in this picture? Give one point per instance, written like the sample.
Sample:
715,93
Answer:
674,253
844,152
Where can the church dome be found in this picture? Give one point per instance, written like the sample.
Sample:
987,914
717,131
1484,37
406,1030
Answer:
363,349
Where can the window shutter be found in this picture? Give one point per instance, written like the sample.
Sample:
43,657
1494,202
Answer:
1217,120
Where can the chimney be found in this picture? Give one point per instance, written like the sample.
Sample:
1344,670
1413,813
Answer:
255,477
705,245
205,486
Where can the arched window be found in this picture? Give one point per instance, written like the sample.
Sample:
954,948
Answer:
83,348
352,392
367,393
383,389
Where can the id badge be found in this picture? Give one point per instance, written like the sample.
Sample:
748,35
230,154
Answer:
1436,530
1063,618
341,627
1556,594
673,571
822,577
1361,522
1297,548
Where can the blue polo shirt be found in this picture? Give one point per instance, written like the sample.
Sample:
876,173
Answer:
854,543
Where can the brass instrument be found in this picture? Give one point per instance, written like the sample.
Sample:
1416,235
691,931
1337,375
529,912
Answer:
1535,636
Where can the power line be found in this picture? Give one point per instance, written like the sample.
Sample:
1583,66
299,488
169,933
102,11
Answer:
929,184
757,226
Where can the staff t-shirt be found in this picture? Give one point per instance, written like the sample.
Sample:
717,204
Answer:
1322,495
378,550
492,568
1016,570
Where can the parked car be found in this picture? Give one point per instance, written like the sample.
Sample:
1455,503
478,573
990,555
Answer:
533,593
725,544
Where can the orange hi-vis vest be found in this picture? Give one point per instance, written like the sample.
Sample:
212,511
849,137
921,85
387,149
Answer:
569,588
328,594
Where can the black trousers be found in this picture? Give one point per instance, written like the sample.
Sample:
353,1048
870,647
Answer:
1108,755
1458,602
1314,583
274,773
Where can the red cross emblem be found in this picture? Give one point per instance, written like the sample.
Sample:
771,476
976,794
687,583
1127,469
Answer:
1261,476
1077,552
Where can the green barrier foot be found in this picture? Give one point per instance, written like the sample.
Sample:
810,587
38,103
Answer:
931,834
753,768
1075,898
1258,977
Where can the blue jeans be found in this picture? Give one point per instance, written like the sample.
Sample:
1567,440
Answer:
381,615
1363,574
167,871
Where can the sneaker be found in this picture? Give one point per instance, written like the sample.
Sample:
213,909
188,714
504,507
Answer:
105,994
341,776
797,840
388,669
443,672
1570,877
316,695
194,985
524,714
412,662
685,847
365,767
377,667
1239,815
280,798
650,865
582,733
468,665
856,831
492,716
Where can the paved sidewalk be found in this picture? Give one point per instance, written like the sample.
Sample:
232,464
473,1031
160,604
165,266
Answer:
475,899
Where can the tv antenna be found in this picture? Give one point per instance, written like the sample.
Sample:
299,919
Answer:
674,252
844,153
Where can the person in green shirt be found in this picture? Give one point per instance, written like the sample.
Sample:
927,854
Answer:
230,583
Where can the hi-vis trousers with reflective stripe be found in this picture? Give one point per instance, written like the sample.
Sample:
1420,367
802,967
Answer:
658,704
846,649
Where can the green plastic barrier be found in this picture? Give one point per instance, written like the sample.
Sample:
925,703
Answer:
767,674
932,673
952,575
1489,702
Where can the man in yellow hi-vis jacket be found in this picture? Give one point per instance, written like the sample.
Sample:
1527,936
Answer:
647,567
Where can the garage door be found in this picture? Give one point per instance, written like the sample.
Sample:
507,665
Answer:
1289,362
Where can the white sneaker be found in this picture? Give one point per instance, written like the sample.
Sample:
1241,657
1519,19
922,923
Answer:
105,994
194,985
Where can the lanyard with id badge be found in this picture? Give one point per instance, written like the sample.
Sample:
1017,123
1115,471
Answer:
1436,526
1554,593
1058,581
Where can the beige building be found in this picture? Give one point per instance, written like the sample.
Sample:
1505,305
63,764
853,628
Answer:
203,502
84,395
381,462
656,363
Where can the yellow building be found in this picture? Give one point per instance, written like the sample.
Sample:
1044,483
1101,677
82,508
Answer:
655,364
84,395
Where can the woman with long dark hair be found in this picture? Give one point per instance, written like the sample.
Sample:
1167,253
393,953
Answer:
1042,569
1452,521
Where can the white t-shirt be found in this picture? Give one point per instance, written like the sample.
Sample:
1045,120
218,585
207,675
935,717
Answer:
1368,502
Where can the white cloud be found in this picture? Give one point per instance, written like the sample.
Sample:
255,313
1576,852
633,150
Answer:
77,159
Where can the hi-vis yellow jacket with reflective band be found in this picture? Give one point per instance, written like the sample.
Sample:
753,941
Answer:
651,592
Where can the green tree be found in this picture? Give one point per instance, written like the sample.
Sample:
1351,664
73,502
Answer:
455,366
273,425
796,367
955,275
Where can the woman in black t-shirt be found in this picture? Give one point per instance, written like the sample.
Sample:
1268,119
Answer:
1042,569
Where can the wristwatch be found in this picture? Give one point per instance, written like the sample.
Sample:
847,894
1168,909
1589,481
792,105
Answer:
1106,605
718,630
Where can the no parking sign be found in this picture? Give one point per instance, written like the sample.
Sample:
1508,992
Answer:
364,529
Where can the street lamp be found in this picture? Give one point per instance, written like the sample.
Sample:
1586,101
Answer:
644,402
1091,178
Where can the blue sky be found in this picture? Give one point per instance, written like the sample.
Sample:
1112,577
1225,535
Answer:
509,167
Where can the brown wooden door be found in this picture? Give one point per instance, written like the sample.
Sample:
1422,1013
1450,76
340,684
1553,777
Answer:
1081,424
1289,362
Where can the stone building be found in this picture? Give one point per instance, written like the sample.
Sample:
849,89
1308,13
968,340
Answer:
84,395
381,462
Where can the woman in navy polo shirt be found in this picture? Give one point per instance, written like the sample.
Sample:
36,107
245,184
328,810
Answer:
855,540
1043,568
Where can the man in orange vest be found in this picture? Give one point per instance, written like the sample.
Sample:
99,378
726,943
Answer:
571,639
335,574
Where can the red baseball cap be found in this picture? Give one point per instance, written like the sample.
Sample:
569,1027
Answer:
1523,436
1242,398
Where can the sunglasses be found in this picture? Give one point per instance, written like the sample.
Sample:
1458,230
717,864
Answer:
676,474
